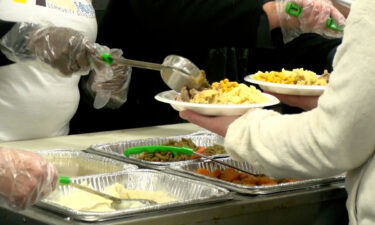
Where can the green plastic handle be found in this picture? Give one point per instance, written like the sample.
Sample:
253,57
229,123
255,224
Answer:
158,148
107,58
331,24
295,10
64,180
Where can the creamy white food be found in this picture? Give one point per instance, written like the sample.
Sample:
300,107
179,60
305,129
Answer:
83,201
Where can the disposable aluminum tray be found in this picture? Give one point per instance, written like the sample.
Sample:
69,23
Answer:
188,169
187,192
74,163
115,150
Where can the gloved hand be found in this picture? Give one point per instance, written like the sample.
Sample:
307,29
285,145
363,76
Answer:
109,81
64,49
25,177
312,19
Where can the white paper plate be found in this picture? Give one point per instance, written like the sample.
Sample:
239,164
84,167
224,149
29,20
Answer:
287,89
212,109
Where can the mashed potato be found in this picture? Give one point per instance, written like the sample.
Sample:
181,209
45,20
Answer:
84,201
226,92
296,76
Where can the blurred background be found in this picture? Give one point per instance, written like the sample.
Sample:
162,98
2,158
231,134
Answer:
100,6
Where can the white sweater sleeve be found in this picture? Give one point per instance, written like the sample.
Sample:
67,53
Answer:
338,135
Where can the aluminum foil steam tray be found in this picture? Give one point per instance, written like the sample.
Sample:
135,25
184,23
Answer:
74,163
187,192
188,169
115,150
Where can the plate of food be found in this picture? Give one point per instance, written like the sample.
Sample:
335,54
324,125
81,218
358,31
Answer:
224,98
294,82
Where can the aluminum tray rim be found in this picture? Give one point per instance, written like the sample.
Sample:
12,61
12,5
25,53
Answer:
89,155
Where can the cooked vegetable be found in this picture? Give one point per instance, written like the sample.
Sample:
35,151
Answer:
232,175
164,156
200,150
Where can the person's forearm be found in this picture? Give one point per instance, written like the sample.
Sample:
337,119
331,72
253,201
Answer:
336,136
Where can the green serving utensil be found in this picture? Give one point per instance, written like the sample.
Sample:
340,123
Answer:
158,148
117,203
175,151
295,10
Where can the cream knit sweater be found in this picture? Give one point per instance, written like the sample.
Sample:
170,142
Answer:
338,136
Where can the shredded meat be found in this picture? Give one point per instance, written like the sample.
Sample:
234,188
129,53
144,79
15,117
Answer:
186,94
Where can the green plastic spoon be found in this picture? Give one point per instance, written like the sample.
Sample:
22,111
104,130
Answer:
175,151
295,10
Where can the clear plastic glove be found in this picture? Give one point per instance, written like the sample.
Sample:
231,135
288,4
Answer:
109,83
66,50
25,177
312,19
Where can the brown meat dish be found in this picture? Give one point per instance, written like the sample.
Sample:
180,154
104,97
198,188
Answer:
165,156
186,94
233,176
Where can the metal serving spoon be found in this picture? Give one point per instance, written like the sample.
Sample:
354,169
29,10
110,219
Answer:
176,71
117,203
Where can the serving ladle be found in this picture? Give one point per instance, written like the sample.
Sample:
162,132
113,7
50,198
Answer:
176,71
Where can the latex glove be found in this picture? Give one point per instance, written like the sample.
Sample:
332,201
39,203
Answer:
25,177
109,81
312,19
64,49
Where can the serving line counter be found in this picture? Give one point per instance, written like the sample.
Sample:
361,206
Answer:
323,205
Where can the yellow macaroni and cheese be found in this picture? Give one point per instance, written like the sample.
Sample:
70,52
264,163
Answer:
296,76
224,92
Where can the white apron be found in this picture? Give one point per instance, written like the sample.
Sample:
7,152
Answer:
34,103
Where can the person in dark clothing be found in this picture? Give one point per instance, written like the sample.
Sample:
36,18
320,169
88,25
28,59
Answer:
5,26
226,39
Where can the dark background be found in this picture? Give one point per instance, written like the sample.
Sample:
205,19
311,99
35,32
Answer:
222,44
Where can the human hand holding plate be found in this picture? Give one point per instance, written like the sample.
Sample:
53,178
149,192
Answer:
213,109
216,124
303,102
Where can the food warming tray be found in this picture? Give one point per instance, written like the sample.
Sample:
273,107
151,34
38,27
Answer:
115,150
188,192
187,169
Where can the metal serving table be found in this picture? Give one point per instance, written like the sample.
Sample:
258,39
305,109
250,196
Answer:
320,207
325,205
